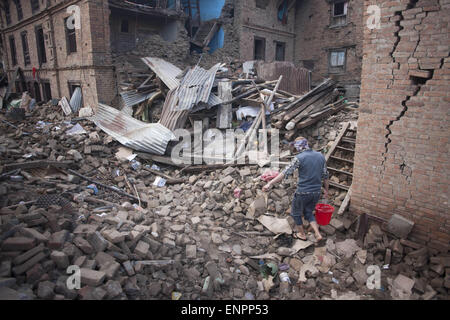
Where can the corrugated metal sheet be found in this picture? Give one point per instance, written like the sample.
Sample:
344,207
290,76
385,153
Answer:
131,98
170,118
214,100
295,80
75,100
132,133
196,87
166,71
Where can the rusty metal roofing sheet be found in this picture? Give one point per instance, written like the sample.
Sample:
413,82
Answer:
295,80
132,133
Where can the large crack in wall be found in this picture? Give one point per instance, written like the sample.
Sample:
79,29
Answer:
404,168
417,82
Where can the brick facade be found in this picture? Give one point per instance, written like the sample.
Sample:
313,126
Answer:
402,151
299,37
317,35
88,66
263,23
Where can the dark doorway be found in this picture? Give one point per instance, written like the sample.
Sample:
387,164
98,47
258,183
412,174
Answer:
280,51
260,49
46,91
37,92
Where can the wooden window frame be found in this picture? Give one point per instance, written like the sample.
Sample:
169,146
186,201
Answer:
335,18
71,35
340,69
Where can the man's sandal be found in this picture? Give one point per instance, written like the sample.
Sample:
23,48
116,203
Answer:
296,235
319,242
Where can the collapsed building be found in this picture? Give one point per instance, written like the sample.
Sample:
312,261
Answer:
61,45
182,219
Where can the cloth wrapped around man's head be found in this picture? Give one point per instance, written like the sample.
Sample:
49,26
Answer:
300,144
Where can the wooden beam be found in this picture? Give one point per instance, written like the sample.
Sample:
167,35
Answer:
159,159
37,164
336,142
101,185
169,179
346,202
224,112
209,167
341,159
340,171
263,112
211,34
339,186
346,149
349,140
316,117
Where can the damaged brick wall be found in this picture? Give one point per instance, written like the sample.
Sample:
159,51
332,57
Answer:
89,66
175,50
316,35
402,151
263,22
231,49
149,36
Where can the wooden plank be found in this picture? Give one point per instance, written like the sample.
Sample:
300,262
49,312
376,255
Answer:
349,140
339,186
159,159
250,102
224,112
341,159
263,113
336,142
257,121
101,185
310,121
169,179
244,95
211,34
340,171
346,149
346,202
410,244
209,167
37,164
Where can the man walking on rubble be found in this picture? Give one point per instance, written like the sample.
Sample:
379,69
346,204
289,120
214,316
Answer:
312,168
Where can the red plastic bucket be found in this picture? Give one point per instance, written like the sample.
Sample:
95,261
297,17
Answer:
324,213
